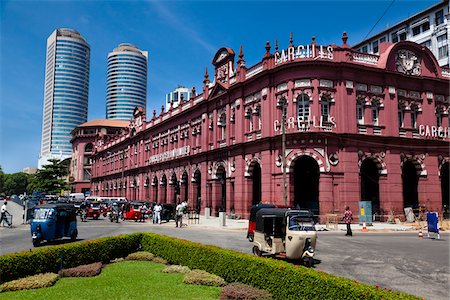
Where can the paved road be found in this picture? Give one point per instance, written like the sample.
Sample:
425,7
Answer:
399,261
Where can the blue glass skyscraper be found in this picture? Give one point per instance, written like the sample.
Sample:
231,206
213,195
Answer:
65,92
127,81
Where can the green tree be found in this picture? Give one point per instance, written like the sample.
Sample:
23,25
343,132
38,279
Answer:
16,183
50,178
2,181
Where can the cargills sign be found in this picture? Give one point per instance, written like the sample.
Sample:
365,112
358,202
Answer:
434,131
169,154
303,51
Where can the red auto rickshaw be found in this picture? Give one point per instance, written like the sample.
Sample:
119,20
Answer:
93,210
132,211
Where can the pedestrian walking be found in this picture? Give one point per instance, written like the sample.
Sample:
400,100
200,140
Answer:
348,218
4,213
157,213
179,214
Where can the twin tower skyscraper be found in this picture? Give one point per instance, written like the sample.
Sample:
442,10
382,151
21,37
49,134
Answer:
66,88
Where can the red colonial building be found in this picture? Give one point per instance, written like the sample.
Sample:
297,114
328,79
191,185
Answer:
83,138
357,127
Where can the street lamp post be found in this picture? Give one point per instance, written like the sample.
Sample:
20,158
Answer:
282,103
123,174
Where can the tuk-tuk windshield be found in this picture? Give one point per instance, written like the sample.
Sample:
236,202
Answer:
301,224
95,205
43,213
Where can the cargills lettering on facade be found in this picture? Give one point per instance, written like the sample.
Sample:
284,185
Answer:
169,154
354,130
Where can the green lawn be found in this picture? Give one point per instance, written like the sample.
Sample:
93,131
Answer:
124,280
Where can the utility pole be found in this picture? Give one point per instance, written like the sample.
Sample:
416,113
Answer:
283,104
123,174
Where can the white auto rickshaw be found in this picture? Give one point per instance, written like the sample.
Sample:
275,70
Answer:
285,232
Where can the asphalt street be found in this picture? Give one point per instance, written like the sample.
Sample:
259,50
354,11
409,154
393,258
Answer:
394,260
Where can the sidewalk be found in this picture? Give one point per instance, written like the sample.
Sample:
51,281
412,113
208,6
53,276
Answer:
233,224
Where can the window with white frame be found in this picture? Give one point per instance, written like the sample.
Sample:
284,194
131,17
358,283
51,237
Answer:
360,112
439,17
439,118
325,108
258,117
303,108
375,113
414,111
427,44
222,125
442,46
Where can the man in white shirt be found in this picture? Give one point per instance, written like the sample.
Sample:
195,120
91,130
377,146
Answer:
157,213
3,212
179,214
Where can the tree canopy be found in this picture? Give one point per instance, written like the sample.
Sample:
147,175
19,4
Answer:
50,178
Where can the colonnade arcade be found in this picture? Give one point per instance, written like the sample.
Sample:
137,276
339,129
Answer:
307,173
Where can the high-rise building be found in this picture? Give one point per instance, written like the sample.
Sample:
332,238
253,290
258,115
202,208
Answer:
127,81
173,98
429,28
65,92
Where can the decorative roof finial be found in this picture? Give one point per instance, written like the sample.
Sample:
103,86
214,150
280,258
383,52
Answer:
291,40
241,60
162,109
193,92
206,80
276,45
344,37
313,42
267,47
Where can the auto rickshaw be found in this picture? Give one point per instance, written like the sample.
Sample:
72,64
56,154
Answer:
53,221
252,219
285,232
132,211
93,210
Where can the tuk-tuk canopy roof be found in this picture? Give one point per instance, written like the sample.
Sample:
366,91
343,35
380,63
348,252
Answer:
278,215
58,206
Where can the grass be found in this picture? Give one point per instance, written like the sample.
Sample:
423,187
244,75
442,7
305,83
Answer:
124,280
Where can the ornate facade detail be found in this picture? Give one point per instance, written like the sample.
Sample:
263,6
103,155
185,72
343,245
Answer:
408,62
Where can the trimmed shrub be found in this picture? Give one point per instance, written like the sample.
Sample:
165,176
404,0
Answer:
160,260
50,259
283,280
239,291
176,269
82,271
201,277
30,282
141,255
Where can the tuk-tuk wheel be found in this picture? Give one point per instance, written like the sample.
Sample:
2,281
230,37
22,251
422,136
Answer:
36,242
256,251
73,236
308,262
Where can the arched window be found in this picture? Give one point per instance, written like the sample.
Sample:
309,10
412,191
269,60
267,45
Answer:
88,148
303,108
439,116
375,112
360,112
223,125
401,116
258,116
414,112
325,108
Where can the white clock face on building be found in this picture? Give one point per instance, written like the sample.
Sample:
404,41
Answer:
222,56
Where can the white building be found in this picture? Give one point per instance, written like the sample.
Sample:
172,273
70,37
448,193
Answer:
66,90
173,98
429,28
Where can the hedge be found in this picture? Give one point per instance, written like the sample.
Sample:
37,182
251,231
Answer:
48,259
283,280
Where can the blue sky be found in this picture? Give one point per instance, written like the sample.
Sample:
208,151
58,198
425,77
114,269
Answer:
180,36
